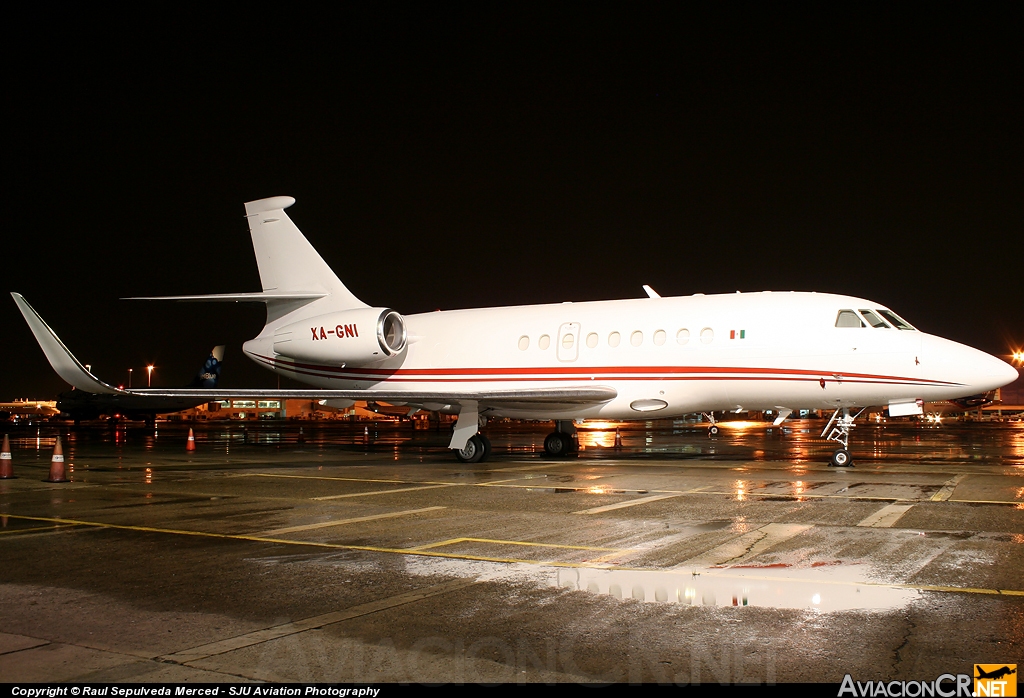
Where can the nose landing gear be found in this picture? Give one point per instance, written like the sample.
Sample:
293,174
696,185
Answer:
562,441
840,433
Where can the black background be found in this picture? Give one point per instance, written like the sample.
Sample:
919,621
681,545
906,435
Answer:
476,155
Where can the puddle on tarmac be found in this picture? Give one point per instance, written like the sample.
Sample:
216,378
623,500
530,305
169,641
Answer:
823,589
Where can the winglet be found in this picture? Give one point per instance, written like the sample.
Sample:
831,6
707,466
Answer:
63,362
651,293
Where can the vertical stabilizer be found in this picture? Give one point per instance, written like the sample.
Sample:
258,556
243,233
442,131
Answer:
286,260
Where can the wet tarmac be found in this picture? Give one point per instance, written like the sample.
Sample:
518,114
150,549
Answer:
366,552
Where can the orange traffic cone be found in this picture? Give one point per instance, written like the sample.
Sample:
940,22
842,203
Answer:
57,470
6,467
191,444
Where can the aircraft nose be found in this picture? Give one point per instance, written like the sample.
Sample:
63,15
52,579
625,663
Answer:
996,373
1008,373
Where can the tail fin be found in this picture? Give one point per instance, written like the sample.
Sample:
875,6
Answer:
286,260
209,374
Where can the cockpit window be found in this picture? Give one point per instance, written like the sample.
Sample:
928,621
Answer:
873,319
848,318
897,322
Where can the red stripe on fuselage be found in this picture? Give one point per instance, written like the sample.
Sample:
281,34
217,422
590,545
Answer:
575,373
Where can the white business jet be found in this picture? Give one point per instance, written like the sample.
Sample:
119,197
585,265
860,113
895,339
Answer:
626,359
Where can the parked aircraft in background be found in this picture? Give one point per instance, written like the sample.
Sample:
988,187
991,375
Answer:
624,359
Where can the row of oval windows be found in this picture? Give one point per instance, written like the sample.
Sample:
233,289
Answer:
707,335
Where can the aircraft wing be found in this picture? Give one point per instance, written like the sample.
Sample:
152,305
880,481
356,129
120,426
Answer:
72,371
62,360
566,395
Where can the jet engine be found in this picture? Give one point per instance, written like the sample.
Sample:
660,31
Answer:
345,338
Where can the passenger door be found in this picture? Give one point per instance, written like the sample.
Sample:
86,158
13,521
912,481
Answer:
568,341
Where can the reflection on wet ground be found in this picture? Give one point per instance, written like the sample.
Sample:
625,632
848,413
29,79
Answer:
352,529
796,442
817,589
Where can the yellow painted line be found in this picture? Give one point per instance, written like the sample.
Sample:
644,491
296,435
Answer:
36,528
375,492
501,482
946,491
985,501
438,544
623,505
350,479
341,522
492,541
310,544
519,468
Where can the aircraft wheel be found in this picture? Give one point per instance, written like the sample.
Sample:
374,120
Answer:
841,459
487,446
473,452
557,444
713,431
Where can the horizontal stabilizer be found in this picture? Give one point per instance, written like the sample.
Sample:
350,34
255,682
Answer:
259,297
63,362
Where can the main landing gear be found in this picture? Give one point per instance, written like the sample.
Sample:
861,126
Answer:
713,429
478,448
840,433
469,445
562,441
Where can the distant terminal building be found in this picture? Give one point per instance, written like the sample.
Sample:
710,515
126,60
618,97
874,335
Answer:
254,410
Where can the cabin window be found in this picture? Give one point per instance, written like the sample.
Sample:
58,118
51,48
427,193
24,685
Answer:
637,338
524,343
659,337
567,340
613,339
848,318
544,342
873,319
707,335
896,321
683,336
592,340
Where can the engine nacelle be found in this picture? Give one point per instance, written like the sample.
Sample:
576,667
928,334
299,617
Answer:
345,338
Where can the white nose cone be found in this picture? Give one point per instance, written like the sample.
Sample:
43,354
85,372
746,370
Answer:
1007,374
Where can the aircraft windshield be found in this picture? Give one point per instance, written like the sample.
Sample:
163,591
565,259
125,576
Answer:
897,322
848,318
873,319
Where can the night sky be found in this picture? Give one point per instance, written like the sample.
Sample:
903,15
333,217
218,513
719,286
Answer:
468,157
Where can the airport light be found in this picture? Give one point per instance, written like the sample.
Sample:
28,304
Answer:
129,379
149,376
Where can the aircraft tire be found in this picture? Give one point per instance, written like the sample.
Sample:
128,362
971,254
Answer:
841,459
487,446
557,444
473,452
713,431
